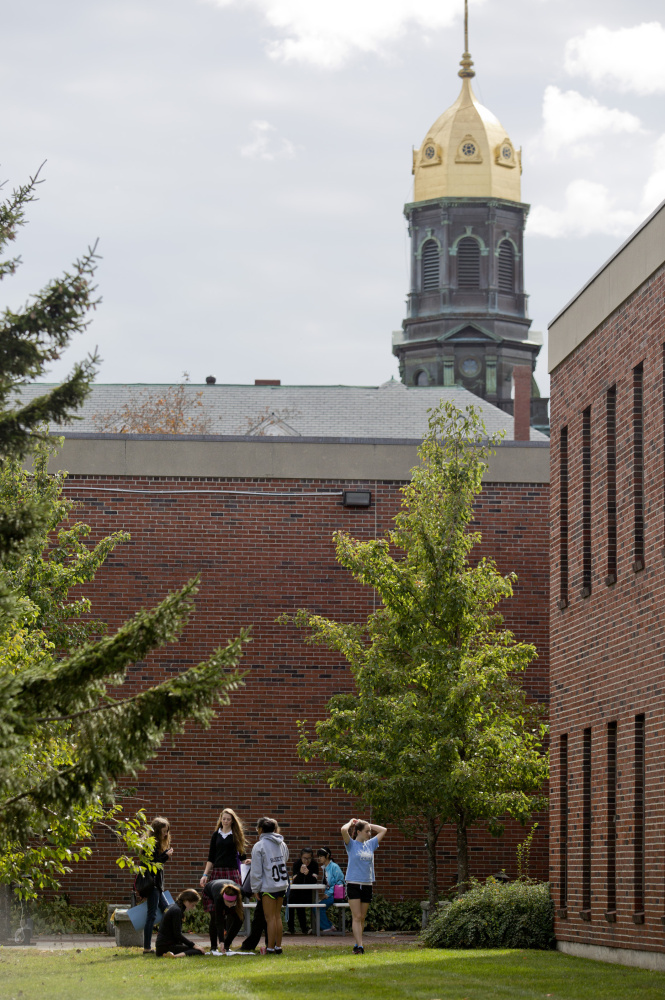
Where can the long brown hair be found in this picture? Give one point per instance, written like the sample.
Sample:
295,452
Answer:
236,829
161,829
229,887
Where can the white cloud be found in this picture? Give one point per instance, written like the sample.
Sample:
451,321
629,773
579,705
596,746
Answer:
589,208
570,120
630,59
327,32
654,190
266,145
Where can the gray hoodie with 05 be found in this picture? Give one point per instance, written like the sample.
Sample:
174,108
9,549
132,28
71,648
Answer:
269,857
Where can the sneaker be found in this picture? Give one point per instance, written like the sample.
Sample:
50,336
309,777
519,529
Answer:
148,951
278,951
358,949
270,951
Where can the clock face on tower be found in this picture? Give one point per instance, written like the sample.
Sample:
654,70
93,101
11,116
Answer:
470,367
430,152
506,152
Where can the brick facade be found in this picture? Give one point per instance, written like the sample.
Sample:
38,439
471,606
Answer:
261,555
607,811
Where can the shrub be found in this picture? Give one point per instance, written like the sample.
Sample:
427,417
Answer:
495,915
57,916
385,915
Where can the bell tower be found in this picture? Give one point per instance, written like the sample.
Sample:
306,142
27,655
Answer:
467,319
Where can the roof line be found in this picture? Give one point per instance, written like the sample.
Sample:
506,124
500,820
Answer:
268,439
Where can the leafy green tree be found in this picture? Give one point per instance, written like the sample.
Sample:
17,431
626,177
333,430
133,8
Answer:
55,561
439,730
61,689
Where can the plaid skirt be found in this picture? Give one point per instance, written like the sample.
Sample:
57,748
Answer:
232,874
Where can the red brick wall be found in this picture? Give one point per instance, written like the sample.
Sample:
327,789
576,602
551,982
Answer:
607,648
260,557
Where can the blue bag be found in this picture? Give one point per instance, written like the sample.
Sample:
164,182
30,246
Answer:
139,914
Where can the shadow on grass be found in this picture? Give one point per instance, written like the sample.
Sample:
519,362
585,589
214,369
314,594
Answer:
383,973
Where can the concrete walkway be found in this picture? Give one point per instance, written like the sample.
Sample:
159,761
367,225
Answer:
65,942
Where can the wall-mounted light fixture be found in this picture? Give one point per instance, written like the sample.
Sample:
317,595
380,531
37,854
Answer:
357,498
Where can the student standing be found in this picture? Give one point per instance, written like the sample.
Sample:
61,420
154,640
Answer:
226,852
228,910
332,876
170,939
305,872
154,897
270,879
361,840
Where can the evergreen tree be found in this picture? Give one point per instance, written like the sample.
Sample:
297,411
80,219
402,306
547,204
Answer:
439,730
65,738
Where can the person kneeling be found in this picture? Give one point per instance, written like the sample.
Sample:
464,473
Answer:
170,939
228,910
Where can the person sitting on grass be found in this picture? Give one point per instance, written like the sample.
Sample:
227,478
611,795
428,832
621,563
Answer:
227,910
170,939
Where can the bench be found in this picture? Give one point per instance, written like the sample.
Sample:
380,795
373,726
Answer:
297,906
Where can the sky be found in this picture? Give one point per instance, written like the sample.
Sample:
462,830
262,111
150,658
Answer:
245,163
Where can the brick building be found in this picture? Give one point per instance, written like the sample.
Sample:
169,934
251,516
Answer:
607,818
254,514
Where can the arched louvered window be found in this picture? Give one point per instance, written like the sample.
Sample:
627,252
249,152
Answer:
430,266
468,263
506,267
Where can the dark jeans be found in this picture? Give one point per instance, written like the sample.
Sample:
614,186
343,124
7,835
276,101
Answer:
154,898
178,949
298,895
227,924
258,928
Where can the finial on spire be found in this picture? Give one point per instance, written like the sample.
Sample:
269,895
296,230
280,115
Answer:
466,61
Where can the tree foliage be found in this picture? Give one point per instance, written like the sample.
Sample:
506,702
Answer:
438,730
68,730
170,410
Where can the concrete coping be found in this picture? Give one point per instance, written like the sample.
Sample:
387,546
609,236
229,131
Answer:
329,459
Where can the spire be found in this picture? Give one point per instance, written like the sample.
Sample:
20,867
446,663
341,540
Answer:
466,61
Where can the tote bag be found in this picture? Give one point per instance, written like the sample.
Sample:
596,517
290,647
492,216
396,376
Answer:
139,914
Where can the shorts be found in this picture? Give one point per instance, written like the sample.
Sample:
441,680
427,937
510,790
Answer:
354,890
275,894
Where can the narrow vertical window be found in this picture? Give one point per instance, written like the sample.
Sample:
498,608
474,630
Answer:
430,266
563,822
611,473
586,824
638,819
563,518
611,817
638,468
506,267
586,502
468,263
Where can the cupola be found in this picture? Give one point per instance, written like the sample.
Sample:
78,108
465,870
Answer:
467,153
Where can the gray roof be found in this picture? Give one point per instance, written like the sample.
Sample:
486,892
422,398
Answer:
391,410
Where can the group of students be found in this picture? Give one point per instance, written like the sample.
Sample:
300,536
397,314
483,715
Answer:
222,890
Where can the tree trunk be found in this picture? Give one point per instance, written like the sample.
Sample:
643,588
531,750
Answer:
5,897
462,857
432,881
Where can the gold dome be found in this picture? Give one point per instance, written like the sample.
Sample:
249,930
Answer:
467,153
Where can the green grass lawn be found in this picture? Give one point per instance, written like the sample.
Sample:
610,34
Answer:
385,972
